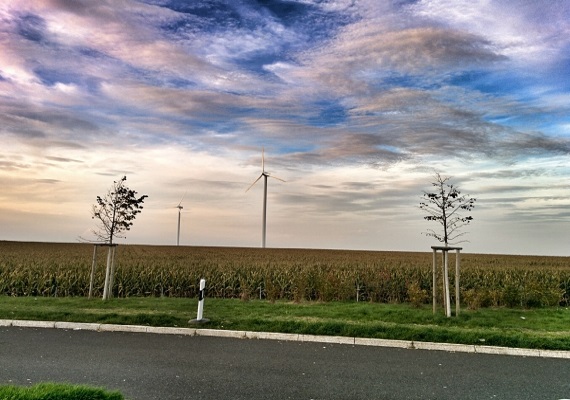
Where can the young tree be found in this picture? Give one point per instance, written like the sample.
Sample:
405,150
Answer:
115,213
446,205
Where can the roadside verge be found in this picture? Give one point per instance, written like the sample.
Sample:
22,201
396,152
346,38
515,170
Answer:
354,341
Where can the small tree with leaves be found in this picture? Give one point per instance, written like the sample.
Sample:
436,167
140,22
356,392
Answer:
115,213
447,206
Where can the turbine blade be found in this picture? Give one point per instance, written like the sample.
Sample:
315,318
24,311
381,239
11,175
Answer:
279,179
262,160
254,182
182,199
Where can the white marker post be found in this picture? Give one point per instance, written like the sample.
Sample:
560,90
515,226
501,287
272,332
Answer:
199,318
201,300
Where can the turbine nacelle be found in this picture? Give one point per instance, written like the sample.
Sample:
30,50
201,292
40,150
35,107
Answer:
264,172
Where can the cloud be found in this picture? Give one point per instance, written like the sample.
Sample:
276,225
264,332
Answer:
365,55
368,81
526,32
355,102
7,165
48,181
63,160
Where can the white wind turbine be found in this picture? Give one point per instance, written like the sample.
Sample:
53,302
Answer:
179,206
264,174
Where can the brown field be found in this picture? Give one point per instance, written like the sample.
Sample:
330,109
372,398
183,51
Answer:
53,269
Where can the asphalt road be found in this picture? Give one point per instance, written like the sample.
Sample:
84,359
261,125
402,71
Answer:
150,366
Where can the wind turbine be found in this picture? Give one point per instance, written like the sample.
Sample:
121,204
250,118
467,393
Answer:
179,206
265,175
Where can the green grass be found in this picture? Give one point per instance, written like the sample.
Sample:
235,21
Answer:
543,328
53,391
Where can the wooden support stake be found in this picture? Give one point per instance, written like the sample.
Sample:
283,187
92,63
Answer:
434,281
93,271
446,282
109,272
112,280
457,269
445,278
444,296
107,275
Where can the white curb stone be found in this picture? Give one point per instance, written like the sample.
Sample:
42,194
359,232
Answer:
288,337
33,324
402,344
555,354
507,351
327,339
452,347
76,326
171,331
5,322
122,328
221,333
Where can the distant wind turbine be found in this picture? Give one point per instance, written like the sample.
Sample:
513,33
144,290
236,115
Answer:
179,206
264,174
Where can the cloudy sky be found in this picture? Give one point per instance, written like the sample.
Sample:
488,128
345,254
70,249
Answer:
356,103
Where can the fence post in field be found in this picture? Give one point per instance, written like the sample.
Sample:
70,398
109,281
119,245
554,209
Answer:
445,266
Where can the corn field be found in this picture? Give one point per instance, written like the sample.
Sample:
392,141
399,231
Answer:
51,269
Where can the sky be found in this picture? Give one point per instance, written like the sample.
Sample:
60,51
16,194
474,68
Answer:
355,103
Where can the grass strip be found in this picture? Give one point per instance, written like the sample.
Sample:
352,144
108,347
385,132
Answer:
542,328
56,391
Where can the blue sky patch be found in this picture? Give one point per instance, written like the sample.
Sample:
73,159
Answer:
31,27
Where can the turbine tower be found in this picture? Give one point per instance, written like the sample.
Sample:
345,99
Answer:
265,175
179,206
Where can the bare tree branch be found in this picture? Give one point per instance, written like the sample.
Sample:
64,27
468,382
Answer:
116,211
445,206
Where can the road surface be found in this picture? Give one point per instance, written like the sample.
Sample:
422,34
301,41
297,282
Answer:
150,366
